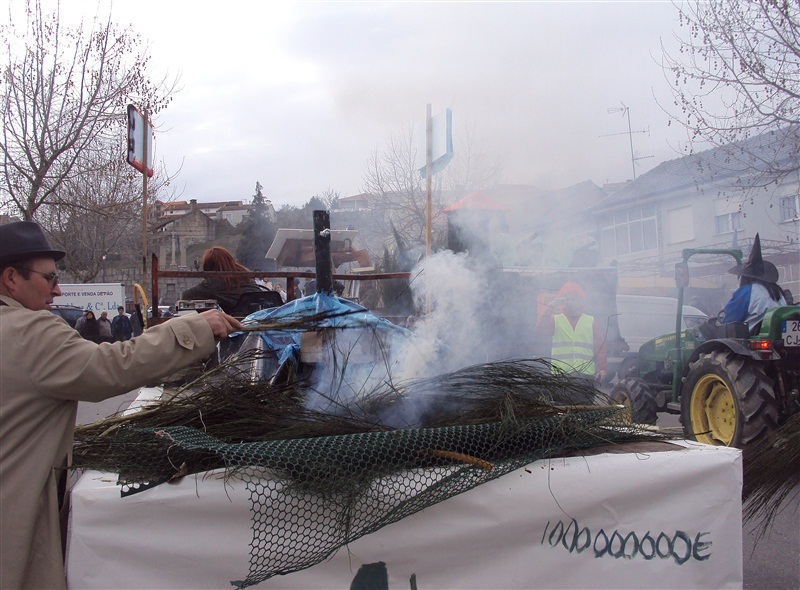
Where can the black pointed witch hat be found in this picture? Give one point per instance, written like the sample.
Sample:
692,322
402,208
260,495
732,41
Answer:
756,267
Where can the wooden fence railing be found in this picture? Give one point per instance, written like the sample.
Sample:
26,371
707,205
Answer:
289,275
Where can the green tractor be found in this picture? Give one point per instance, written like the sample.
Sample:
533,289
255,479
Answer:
729,386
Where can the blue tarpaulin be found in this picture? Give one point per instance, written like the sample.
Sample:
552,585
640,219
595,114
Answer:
285,344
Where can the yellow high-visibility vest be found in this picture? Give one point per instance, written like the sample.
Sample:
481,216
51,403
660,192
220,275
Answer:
573,348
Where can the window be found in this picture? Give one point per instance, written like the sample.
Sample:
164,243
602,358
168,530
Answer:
629,232
728,216
728,222
680,225
789,208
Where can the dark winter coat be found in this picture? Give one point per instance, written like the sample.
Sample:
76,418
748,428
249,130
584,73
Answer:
214,288
91,330
121,328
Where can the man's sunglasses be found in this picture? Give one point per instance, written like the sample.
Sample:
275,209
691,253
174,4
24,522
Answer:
50,277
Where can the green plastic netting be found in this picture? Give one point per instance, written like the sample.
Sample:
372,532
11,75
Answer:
312,496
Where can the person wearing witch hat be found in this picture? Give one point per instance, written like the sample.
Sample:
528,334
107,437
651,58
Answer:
758,290
46,367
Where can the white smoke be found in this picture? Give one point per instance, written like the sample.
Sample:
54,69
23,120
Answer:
449,295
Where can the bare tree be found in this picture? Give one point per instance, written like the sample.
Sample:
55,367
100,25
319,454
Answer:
736,85
330,197
472,168
64,95
400,192
96,215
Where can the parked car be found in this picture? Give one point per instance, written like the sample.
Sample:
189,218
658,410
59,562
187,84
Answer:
69,312
643,317
163,311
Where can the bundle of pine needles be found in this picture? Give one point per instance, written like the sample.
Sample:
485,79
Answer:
226,405
222,402
489,392
771,473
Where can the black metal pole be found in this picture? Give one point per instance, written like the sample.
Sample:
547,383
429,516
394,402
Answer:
322,251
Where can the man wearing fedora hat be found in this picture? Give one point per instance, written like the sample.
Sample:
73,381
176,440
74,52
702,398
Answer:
758,290
45,369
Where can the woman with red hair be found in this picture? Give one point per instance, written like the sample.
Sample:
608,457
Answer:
225,290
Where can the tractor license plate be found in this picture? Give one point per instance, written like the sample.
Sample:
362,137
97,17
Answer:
791,333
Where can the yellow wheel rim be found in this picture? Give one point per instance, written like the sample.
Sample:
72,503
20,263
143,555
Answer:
623,399
713,411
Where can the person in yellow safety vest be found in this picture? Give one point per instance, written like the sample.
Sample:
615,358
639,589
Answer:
578,345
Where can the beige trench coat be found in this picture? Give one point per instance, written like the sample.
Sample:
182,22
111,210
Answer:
45,369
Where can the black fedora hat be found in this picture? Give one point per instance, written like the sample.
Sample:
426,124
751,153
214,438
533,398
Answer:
756,267
21,240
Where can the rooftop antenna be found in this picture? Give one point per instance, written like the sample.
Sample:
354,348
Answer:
627,112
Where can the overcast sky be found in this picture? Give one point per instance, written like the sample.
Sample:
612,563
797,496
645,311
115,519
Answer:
298,95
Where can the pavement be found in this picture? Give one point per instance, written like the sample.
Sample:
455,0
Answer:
772,562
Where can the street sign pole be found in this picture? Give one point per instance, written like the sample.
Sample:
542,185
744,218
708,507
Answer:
428,175
144,204
428,215
438,152
139,156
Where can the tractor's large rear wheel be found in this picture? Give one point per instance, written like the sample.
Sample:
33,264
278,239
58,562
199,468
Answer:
636,394
727,400
629,367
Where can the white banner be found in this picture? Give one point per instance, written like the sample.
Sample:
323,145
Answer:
663,519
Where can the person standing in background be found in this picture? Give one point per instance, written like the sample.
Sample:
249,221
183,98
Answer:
81,320
105,327
121,328
260,280
578,345
279,289
90,329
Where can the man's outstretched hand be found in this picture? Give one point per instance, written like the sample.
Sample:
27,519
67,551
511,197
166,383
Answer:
221,323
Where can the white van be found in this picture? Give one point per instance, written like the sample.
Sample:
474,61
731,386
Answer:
643,317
